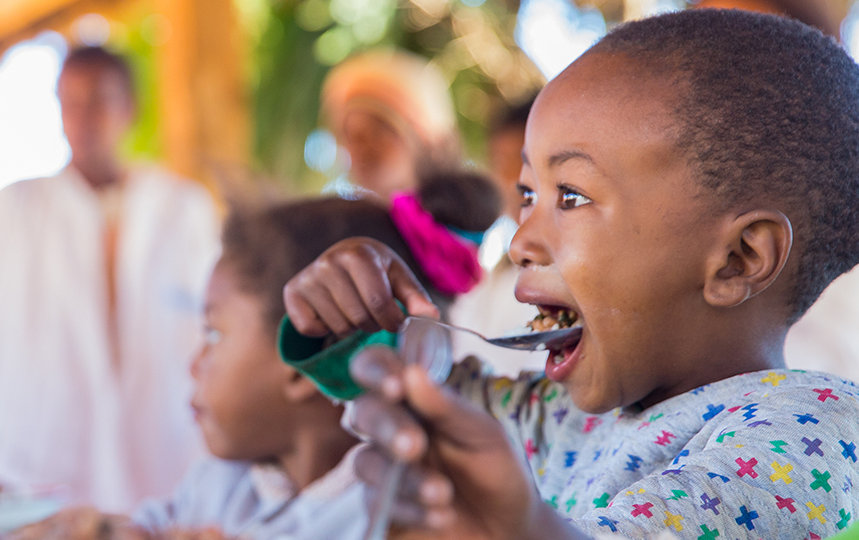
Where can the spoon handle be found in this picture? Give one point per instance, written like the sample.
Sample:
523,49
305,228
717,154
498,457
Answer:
526,341
429,346
381,515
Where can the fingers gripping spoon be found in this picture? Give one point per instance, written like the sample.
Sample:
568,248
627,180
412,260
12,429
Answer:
427,342
420,341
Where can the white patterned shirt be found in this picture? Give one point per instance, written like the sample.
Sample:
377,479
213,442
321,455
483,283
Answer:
759,455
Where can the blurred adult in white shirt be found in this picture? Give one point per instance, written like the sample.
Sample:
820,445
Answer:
102,276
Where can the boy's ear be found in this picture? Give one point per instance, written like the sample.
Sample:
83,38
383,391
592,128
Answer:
754,252
298,388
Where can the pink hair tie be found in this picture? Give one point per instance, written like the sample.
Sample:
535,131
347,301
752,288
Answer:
449,261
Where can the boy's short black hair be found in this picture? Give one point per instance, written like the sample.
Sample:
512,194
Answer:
104,59
768,111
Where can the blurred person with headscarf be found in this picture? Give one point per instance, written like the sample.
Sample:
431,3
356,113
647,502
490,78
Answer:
392,112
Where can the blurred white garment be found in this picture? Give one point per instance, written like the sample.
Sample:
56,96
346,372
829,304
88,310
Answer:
491,309
826,338
111,430
259,502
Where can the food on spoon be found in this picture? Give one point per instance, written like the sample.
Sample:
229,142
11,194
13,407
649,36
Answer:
553,320
556,318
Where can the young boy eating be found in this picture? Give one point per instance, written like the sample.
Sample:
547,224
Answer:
690,185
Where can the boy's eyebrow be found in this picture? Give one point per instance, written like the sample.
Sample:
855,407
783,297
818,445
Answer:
566,155
561,157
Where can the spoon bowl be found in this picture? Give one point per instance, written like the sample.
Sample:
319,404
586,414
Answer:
530,341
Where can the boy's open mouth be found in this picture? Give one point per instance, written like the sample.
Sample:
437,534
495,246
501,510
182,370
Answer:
561,360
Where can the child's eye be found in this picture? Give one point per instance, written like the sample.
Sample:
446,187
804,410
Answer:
570,198
527,194
211,336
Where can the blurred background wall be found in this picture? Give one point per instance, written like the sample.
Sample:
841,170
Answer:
229,89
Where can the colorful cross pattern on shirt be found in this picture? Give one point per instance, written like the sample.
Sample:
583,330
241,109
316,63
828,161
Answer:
760,455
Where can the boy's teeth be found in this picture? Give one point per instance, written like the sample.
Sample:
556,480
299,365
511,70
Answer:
558,358
553,320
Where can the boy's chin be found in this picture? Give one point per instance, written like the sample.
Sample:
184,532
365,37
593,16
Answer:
220,448
591,397
230,451
591,404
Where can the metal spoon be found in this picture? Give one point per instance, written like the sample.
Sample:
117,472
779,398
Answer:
531,341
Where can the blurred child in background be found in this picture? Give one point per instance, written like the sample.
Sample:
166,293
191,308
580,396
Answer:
282,466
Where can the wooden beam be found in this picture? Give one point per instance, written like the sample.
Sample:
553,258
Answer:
203,91
23,19
17,15
203,97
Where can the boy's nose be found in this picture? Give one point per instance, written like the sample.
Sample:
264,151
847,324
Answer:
527,247
197,360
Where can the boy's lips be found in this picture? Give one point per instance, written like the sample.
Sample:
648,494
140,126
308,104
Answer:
543,287
562,360
197,410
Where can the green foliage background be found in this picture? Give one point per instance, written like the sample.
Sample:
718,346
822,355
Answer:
297,41
293,43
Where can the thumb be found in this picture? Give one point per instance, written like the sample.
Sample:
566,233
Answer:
406,288
450,415
469,447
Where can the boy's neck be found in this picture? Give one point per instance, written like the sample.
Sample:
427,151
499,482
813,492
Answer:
314,453
733,346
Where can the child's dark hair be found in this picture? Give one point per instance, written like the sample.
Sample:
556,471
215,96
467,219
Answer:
267,247
464,199
104,59
512,117
767,111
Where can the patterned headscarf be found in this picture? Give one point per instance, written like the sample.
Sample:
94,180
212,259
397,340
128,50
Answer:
401,88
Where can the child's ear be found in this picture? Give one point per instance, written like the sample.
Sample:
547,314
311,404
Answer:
298,388
755,251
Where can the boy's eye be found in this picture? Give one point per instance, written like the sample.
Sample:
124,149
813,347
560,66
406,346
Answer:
527,194
570,198
211,336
